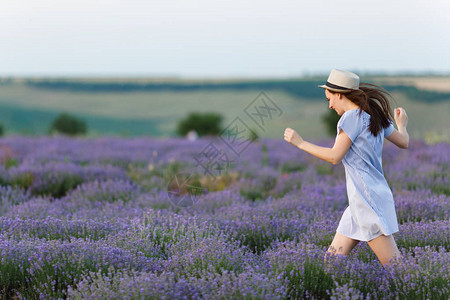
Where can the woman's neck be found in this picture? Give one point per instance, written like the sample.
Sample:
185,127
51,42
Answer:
349,105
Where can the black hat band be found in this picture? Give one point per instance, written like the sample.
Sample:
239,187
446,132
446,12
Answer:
333,86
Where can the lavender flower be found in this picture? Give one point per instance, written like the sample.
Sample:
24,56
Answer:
91,218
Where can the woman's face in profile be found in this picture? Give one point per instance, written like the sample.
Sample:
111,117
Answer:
333,102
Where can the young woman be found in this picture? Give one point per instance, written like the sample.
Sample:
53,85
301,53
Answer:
366,119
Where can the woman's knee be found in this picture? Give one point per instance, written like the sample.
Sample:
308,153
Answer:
385,249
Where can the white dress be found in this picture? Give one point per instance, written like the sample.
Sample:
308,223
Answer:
371,210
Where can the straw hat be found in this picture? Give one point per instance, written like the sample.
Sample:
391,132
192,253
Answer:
341,81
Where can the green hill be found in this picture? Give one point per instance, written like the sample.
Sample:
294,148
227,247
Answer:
18,120
305,88
154,106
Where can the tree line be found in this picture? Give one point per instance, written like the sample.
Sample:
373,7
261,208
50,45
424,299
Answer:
306,89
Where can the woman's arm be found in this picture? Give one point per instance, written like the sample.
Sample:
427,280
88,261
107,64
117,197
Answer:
332,155
400,137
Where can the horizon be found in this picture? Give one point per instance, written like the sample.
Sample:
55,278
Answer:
316,75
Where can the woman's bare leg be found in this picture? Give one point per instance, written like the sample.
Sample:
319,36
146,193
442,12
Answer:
385,249
341,245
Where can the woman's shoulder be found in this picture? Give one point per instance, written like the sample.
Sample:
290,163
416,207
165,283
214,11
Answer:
357,117
356,111
355,114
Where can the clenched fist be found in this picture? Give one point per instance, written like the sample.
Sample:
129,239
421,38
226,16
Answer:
292,137
400,117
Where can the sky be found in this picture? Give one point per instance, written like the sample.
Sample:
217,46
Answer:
215,38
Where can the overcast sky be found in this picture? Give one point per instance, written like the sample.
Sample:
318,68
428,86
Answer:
215,38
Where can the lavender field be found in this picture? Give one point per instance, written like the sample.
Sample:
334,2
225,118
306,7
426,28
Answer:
98,219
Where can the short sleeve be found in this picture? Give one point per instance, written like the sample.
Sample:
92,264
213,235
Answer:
350,123
388,130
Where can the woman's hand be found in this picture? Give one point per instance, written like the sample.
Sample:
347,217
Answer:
292,137
400,117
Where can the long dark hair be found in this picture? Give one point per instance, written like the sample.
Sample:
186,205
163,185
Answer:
374,100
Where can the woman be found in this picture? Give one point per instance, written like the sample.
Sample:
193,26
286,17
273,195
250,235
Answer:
365,121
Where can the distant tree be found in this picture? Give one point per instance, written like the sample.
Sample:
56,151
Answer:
69,125
253,135
2,132
203,124
331,119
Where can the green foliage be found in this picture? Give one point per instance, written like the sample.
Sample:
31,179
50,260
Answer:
324,169
203,124
255,240
11,162
24,180
253,135
252,193
292,166
265,158
56,187
312,281
331,119
258,188
60,187
2,132
68,124
48,279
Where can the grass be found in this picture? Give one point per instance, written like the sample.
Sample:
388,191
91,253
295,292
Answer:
28,110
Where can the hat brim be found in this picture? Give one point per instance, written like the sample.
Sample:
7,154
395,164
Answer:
335,90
